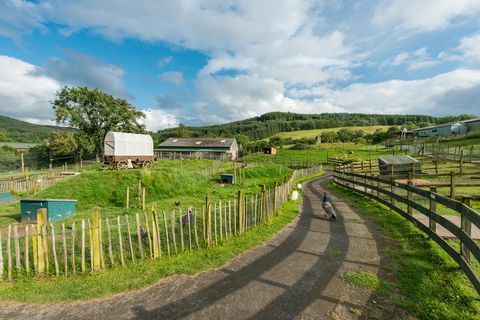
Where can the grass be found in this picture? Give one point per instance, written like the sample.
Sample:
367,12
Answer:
142,274
368,280
432,284
315,132
320,153
166,183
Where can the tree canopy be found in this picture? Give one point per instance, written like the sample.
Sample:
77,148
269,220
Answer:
94,113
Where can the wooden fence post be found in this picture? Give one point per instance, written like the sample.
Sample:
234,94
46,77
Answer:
109,235
392,190
461,162
127,200
129,236
26,253
9,252
120,242
41,254
156,246
433,208
72,247
452,185
409,196
96,238
54,250
139,233
466,227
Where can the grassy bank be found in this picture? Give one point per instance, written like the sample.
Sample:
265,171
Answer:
167,183
142,274
430,283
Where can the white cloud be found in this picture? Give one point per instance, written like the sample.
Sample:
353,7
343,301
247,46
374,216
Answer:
426,96
24,93
163,61
79,69
173,77
18,17
414,60
423,15
470,47
156,119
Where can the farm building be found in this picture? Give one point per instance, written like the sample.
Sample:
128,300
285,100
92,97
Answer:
269,150
200,148
125,149
19,146
401,165
472,124
448,129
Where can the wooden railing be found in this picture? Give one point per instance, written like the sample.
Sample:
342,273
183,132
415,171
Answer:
400,198
97,243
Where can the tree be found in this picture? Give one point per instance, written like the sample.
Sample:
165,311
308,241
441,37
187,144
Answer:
61,144
95,113
183,131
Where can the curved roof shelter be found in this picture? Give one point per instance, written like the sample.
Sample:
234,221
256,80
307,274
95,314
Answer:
128,144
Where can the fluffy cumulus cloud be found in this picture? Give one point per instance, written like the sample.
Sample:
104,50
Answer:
79,69
156,119
173,77
425,15
295,55
24,92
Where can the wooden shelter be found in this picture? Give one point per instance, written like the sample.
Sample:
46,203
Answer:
401,165
269,150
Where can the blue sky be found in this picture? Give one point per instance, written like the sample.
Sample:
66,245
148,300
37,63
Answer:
204,62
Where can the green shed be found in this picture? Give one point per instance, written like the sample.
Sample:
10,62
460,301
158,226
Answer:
57,209
227,178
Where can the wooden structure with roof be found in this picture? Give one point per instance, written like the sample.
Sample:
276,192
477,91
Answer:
198,148
400,165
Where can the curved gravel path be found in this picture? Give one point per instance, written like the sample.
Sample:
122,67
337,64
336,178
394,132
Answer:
297,274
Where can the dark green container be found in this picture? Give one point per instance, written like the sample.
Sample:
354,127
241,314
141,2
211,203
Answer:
57,209
227,178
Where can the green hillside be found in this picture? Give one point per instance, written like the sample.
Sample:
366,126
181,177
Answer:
13,130
274,122
315,132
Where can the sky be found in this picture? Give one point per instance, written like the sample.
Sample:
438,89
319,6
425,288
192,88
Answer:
205,62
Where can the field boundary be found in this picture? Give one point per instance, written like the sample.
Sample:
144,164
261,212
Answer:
386,191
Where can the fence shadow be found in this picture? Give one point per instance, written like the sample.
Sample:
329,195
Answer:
319,275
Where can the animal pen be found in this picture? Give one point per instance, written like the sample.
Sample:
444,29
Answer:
95,244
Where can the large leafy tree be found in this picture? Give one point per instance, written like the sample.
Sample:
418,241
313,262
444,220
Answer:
94,113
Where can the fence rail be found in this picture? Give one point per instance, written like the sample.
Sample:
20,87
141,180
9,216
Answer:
389,192
100,243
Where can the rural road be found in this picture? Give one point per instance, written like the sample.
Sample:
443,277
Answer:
297,274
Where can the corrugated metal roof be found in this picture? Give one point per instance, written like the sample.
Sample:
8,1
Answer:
400,159
198,142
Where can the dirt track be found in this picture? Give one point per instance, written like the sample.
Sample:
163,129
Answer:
297,274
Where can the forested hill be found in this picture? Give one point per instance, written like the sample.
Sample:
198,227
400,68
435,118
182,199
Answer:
13,130
270,123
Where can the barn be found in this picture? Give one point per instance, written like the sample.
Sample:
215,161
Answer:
198,148
442,130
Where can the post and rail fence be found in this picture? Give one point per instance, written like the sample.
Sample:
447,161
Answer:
404,198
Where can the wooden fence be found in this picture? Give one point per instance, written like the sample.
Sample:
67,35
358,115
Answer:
400,198
30,183
100,243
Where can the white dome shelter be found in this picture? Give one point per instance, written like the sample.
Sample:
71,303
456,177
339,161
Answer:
125,149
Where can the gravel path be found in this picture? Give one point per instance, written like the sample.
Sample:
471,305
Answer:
297,274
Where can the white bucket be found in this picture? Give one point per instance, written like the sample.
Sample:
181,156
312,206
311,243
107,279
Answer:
294,195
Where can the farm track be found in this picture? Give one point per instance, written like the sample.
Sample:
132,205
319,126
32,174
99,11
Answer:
297,274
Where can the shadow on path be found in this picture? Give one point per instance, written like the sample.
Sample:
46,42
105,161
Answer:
295,298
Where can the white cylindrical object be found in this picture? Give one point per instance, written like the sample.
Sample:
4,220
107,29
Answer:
299,186
294,195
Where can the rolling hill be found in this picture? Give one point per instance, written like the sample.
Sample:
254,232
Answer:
271,123
13,130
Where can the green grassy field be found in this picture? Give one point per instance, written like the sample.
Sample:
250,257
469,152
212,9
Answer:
315,132
428,283
320,153
166,183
